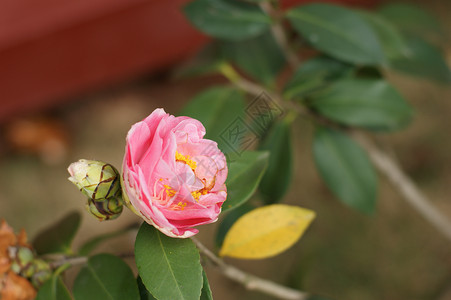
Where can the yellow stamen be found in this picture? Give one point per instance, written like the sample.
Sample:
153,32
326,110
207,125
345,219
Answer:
169,191
196,195
180,157
181,205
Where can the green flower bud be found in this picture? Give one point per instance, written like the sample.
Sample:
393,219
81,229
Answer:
41,272
25,264
106,209
95,179
101,183
20,257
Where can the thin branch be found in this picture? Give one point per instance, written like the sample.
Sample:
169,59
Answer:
280,36
249,281
382,160
384,163
405,186
256,90
73,261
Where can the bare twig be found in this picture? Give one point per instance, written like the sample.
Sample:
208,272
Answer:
73,261
382,160
249,281
280,36
256,90
405,186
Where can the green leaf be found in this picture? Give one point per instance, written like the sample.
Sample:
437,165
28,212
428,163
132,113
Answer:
169,268
390,37
58,237
206,62
278,175
338,32
105,276
368,72
345,168
260,57
315,74
370,103
410,18
244,176
228,220
424,60
143,292
53,289
206,291
227,19
217,108
91,244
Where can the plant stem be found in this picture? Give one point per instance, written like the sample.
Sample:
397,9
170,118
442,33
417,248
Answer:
387,166
249,281
72,261
280,36
405,186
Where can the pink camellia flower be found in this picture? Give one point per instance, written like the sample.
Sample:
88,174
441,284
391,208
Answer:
172,177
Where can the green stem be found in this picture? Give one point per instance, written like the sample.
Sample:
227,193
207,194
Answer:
68,262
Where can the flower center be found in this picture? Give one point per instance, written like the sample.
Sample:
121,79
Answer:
170,192
196,194
185,159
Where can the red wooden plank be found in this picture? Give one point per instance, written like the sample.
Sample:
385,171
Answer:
22,20
144,36
52,49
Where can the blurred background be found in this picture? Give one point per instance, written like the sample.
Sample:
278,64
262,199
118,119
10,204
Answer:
74,76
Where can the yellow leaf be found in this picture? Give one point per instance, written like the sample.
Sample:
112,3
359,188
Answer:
266,231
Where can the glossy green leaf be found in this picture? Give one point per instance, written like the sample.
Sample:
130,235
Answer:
424,60
217,108
315,74
338,32
53,289
346,169
229,219
410,17
58,237
244,176
390,37
227,19
206,62
143,292
108,277
278,175
260,57
206,291
369,72
370,103
169,267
